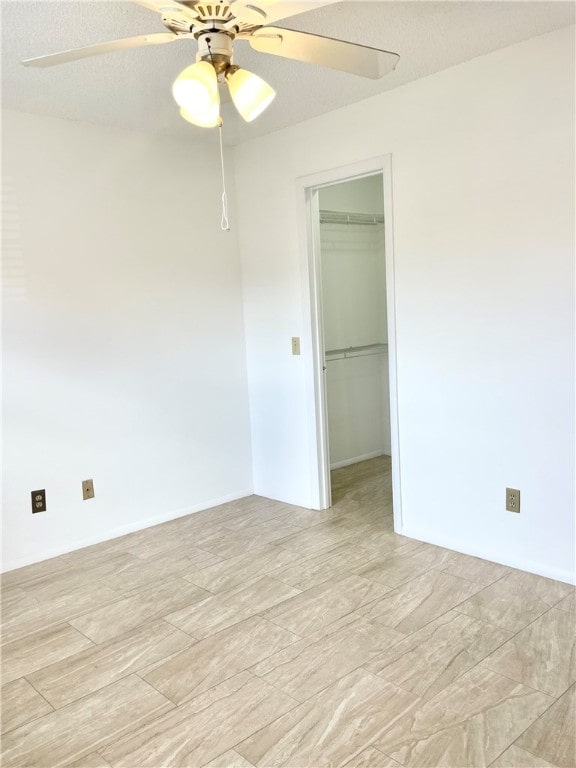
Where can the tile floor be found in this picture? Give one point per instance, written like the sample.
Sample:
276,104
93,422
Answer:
260,634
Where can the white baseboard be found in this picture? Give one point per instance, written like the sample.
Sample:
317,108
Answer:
540,569
124,529
357,459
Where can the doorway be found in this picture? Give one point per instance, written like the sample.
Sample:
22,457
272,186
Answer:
350,274
353,288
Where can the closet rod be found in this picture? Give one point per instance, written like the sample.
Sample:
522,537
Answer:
367,349
340,217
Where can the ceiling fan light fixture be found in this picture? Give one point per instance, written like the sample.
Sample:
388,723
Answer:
209,119
195,90
250,94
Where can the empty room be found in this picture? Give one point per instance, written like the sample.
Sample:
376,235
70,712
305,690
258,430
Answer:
288,383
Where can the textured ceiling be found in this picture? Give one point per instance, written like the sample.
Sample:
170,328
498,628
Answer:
131,89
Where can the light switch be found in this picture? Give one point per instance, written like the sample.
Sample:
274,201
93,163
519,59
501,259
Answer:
295,345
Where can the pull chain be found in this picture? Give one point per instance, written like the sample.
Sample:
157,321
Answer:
224,224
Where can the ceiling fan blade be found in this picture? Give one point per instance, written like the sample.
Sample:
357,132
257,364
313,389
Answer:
266,11
315,49
64,57
163,6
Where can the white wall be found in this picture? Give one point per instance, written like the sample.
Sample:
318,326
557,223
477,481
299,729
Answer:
124,355
483,186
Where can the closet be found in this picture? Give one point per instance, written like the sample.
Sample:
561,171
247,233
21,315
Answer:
353,275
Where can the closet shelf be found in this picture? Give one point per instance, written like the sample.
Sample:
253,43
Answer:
367,349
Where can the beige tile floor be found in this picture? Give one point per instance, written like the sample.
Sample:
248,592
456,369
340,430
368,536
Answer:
260,634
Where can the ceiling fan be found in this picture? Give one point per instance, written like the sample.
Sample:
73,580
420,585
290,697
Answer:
215,25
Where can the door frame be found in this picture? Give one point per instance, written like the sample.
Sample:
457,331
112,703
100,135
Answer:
309,232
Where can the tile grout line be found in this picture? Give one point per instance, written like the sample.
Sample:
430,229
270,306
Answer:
75,629
515,634
191,699
31,684
98,690
437,570
171,701
540,716
33,719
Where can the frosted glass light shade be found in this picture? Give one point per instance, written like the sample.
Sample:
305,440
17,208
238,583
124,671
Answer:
208,119
195,90
250,94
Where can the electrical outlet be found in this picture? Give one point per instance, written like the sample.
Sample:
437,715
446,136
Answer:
87,489
38,501
512,500
295,345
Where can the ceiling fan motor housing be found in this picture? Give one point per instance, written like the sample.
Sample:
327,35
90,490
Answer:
215,47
